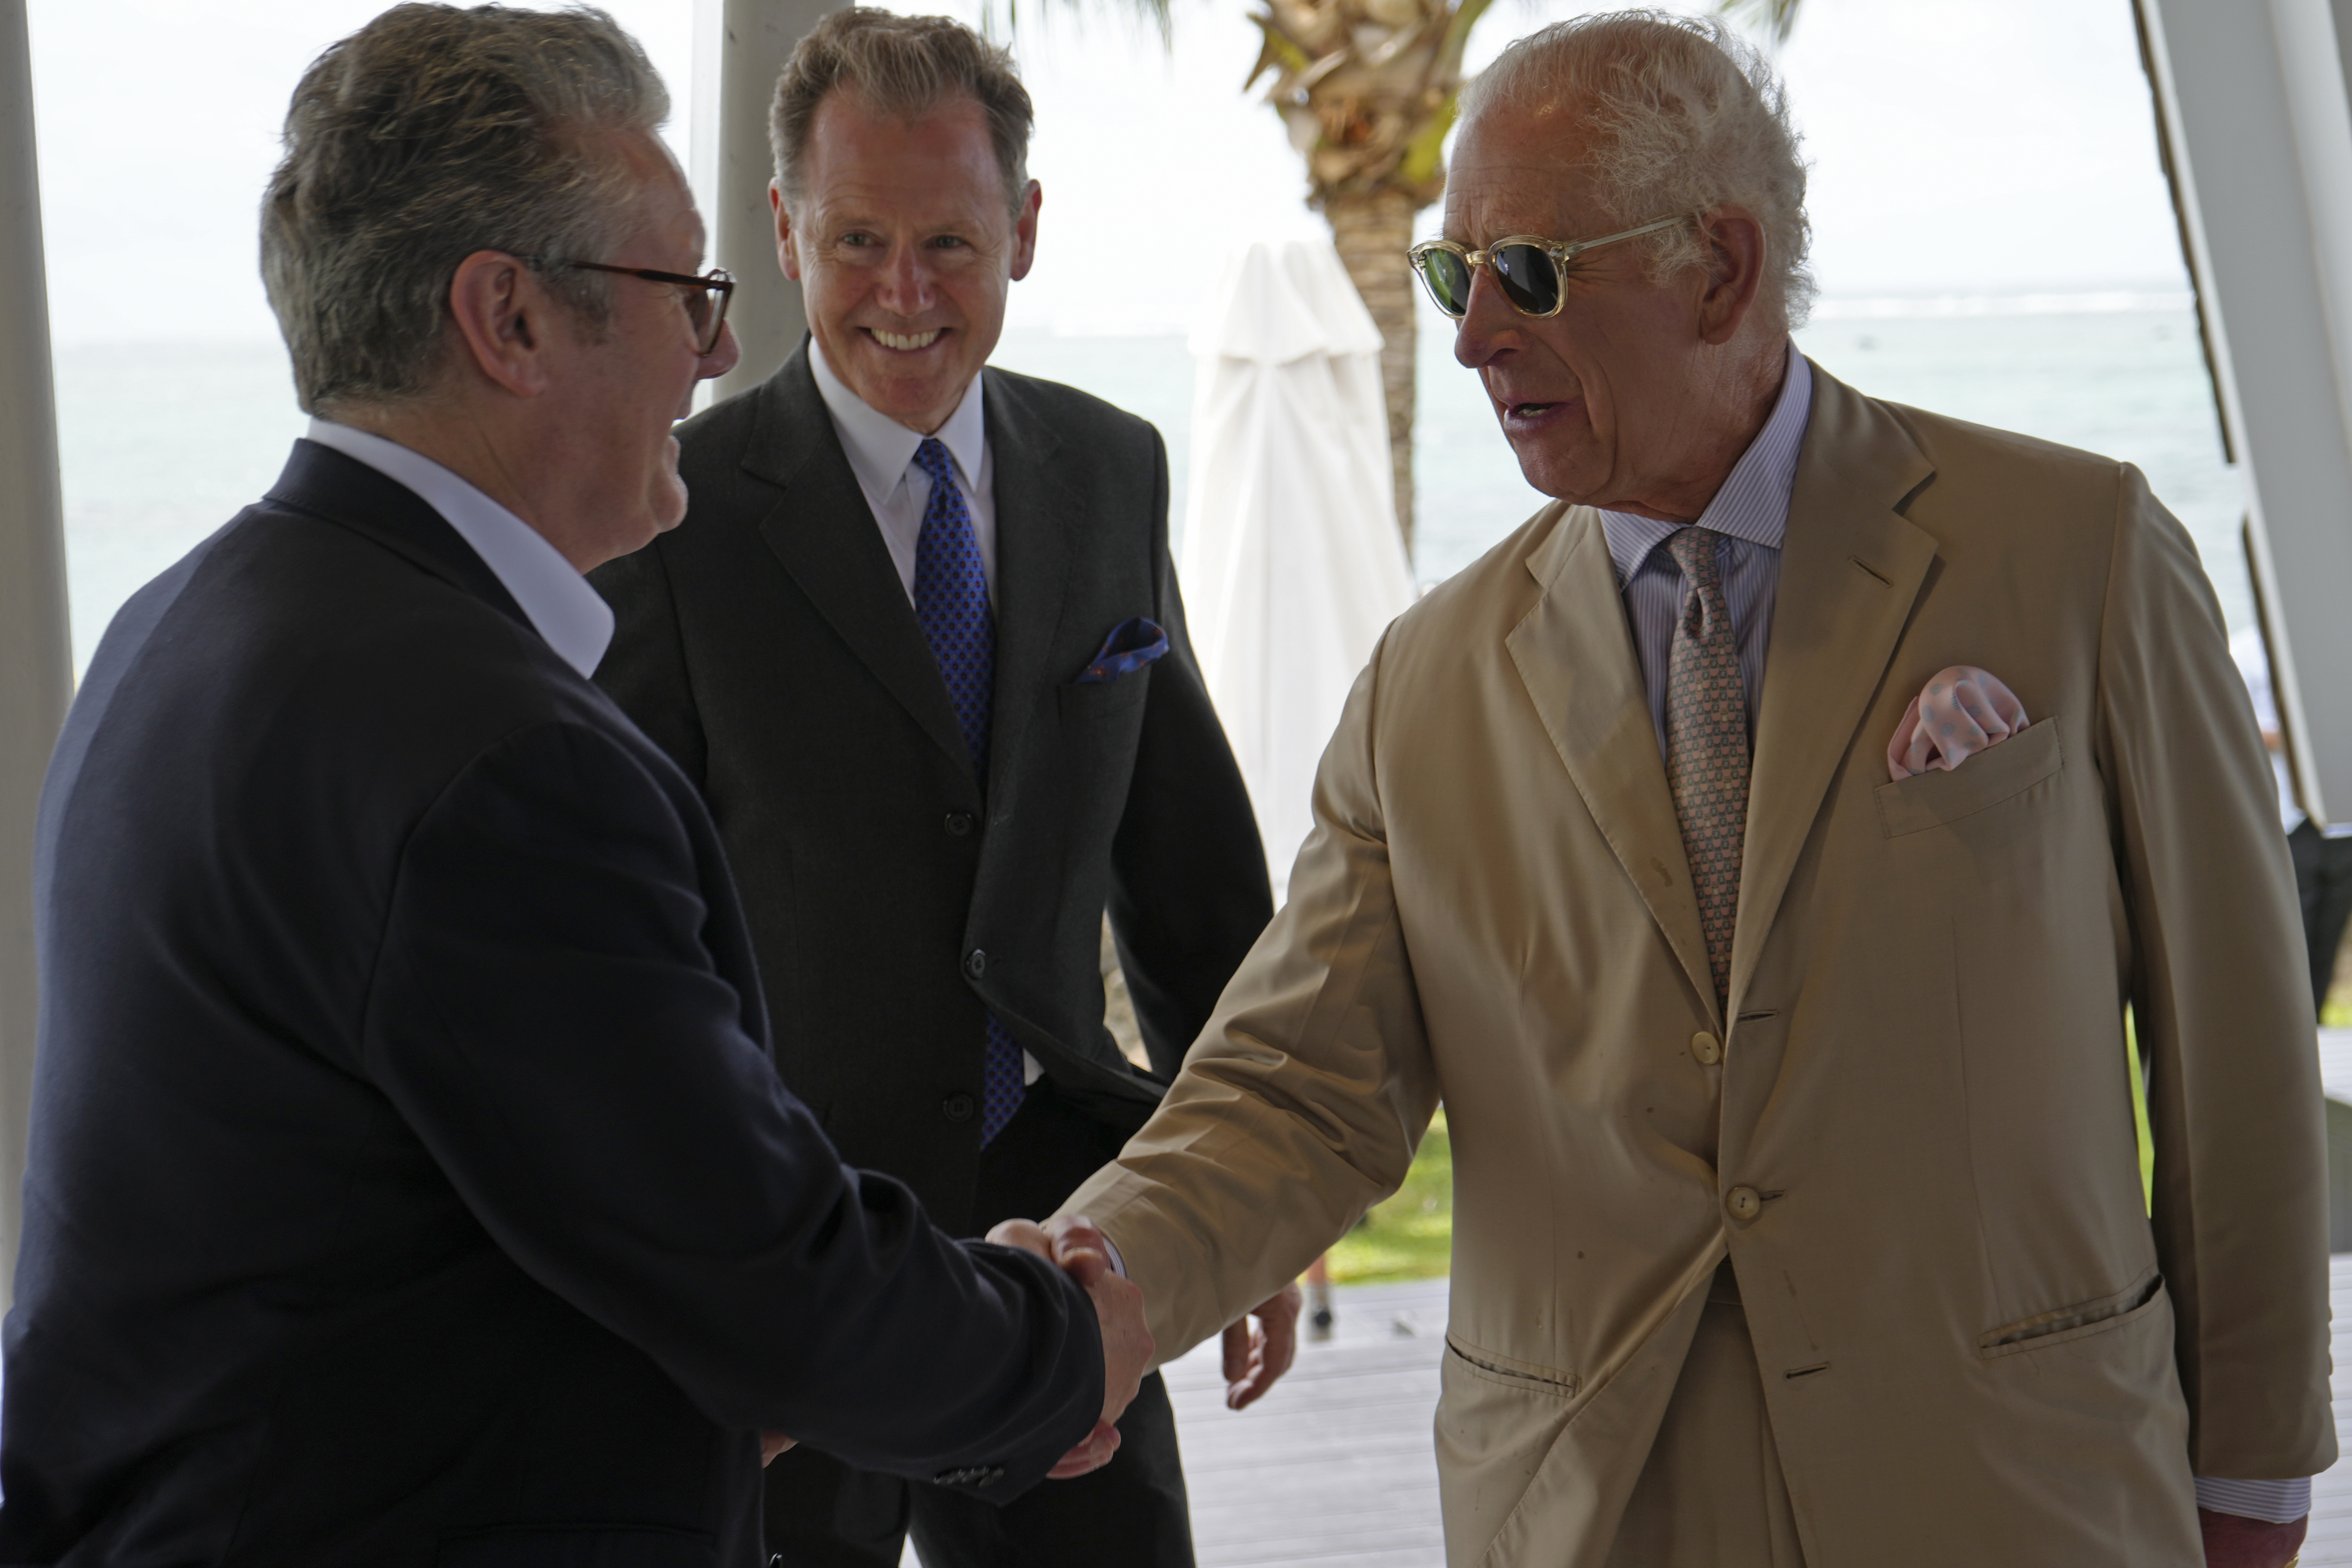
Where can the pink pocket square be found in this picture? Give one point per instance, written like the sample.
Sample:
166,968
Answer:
1960,711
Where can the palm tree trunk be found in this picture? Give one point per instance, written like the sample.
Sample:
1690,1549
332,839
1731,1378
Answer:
1373,229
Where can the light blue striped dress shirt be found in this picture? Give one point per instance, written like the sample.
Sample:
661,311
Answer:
1751,511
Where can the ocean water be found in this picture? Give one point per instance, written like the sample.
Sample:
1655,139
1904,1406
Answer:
162,443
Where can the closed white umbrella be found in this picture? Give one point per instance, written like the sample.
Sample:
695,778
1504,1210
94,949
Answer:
1293,565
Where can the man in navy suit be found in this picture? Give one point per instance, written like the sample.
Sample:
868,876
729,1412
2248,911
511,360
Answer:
411,1183
920,643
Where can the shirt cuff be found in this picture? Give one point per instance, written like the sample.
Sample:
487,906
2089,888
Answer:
1118,1267
2273,1502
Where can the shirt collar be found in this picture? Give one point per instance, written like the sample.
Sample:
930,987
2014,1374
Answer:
880,448
1753,504
562,607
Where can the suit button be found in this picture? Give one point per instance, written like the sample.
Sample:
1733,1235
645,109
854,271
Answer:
1743,1203
975,964
1704,1047
959,822
957,1106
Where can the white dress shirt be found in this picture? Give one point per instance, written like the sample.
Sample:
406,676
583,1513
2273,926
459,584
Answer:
1752,510
881,453
557,600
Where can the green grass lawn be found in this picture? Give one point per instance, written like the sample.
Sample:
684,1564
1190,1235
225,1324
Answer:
1410,1237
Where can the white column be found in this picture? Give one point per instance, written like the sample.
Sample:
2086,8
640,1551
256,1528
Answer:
739,48
35,655
2252,99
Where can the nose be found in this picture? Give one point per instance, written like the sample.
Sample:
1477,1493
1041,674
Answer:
723,355
1490,326
905,287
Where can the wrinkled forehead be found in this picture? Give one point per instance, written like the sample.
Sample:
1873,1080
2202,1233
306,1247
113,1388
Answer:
1518,171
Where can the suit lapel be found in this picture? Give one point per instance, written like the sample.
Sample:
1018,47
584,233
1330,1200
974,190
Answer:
1576,657
1851,570
823,531
1036,511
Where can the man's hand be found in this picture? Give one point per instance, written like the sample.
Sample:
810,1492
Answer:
1257,1354
2232,1541
1078,1249
771,1445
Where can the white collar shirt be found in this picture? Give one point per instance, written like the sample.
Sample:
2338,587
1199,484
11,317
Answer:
1752,512
572,617
881,453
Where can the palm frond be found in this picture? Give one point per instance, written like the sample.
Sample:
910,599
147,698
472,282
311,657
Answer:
1778,17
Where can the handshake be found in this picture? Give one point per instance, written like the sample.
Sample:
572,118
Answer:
1257,1350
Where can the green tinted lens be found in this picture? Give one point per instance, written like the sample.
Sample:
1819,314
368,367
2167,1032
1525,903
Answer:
1448,280
1529,280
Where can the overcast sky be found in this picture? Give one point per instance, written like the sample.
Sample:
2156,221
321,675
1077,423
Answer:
1999,147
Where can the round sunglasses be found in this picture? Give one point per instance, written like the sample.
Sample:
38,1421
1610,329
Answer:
1531,271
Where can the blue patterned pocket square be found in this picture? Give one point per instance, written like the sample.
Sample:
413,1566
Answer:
1130,645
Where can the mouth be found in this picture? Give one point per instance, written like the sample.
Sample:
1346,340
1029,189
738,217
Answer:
905,343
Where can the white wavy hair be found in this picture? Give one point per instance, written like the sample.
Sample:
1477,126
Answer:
1684,115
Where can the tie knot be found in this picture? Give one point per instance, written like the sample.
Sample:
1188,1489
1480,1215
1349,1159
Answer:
933,456
1693,552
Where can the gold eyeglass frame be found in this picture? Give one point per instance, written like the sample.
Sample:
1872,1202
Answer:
1559,253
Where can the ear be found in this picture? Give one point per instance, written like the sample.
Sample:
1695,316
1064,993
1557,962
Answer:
1025,232
1735,271
505,320
788,253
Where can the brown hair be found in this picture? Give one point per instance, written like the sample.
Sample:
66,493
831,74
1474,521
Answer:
903,66
429,135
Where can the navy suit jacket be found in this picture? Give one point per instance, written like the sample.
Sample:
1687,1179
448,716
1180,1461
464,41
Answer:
410,1179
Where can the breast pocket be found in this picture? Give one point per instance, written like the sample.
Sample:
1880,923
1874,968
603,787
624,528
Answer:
1988,778
1086,699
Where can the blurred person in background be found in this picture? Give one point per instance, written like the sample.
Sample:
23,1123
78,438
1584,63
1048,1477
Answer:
919,642
2321,855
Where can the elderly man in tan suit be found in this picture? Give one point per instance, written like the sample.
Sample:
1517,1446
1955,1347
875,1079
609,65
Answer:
1798,1213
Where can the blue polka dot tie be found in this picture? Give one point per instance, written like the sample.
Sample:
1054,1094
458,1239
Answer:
951,607
1706,745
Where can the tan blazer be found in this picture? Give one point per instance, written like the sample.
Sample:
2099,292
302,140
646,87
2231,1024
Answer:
1976,1346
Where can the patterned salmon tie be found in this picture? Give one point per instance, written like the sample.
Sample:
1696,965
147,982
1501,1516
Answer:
1706,745
951,604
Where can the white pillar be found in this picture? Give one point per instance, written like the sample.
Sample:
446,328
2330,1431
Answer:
36,654
739,48
2252,100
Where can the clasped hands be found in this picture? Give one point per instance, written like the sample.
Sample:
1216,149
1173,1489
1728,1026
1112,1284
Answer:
1257,1351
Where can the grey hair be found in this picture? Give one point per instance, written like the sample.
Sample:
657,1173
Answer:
1685,115
429,135
903,66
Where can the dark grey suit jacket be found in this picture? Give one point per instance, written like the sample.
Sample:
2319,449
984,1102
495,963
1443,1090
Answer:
409,1181
768,644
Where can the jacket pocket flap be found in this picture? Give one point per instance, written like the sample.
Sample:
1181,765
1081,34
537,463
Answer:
2071,1322
1985,779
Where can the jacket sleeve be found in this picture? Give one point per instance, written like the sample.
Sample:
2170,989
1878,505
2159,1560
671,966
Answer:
548,1018
644,671
2222,1010
1189,886
1306,1096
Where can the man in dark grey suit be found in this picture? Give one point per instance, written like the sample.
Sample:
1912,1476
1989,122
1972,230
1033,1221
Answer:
920,641
410,1182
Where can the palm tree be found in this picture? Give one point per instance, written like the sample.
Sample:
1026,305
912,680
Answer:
1368,88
